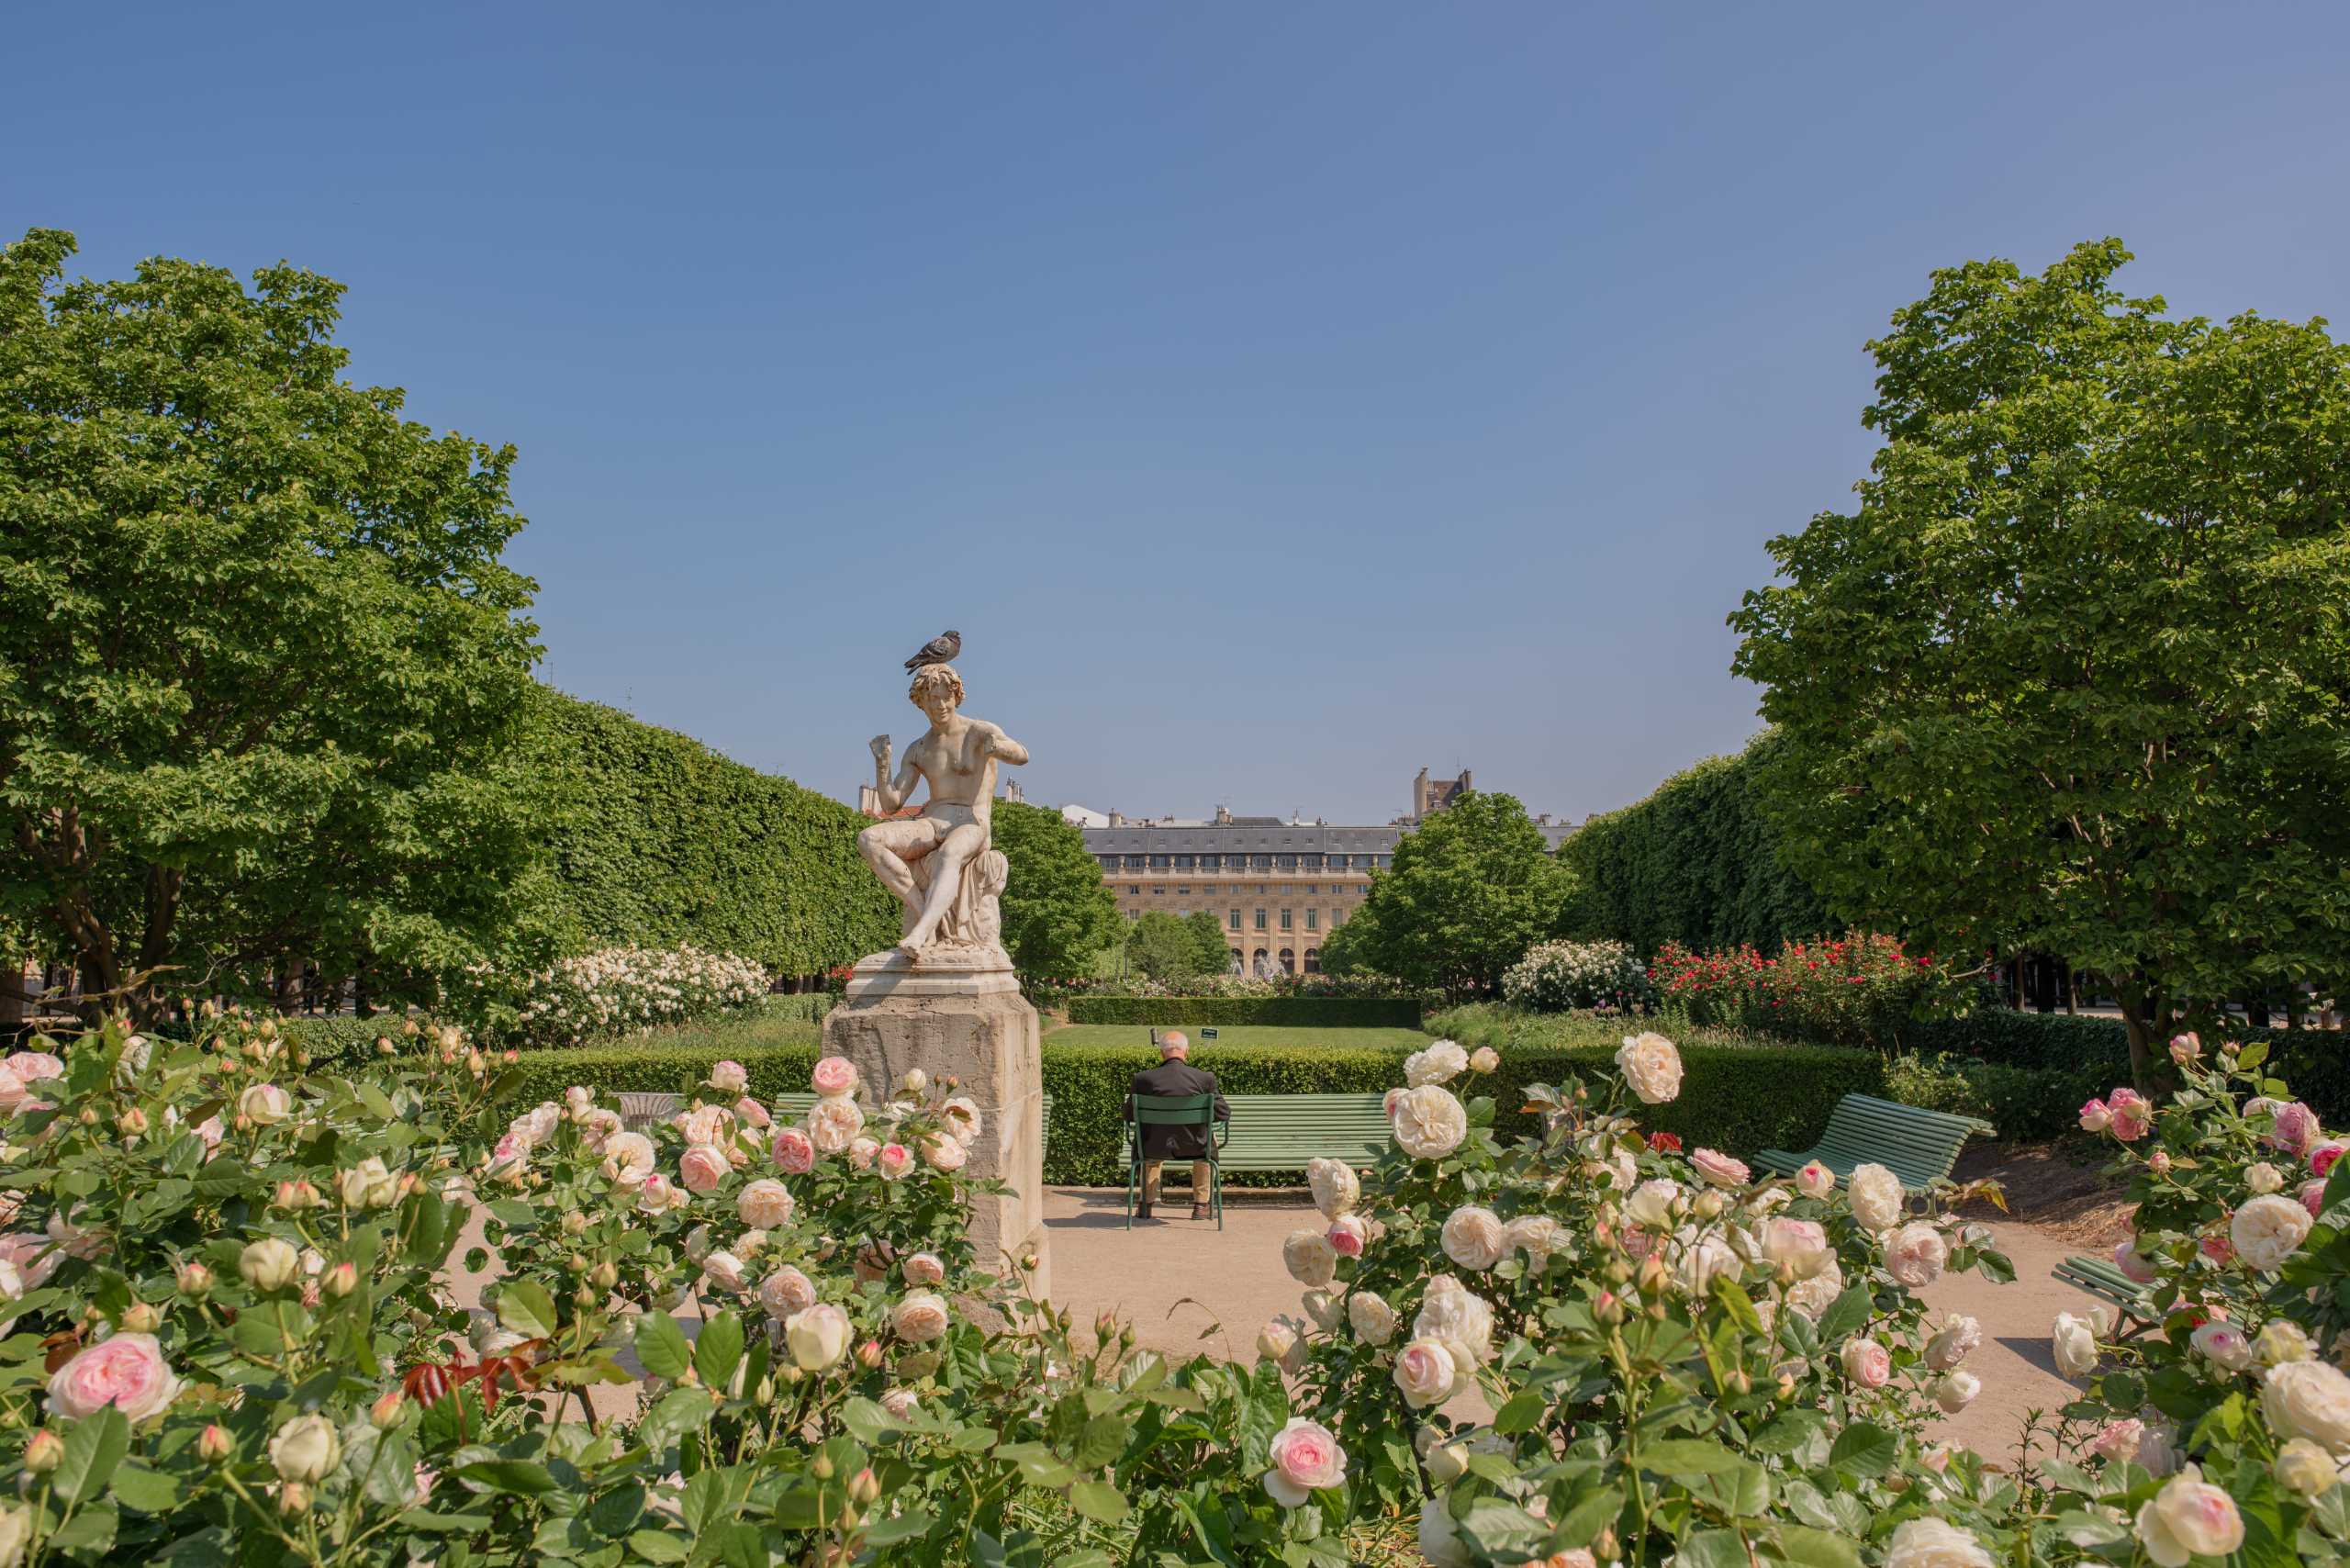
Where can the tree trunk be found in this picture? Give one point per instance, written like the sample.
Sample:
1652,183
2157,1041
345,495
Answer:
2133,995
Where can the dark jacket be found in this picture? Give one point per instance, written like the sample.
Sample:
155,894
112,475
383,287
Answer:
1176,1077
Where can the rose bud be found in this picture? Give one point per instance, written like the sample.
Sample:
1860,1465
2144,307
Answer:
195,1279
863,1488
869,1355
388,1410
131,1123
604,1274
45,1452
575,1222
215,1445
294,1498
140,1318
340,1280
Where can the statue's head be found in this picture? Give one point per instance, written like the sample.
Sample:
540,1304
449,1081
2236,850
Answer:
938,690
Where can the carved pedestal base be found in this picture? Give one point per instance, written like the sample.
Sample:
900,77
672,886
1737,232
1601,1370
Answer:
972,1025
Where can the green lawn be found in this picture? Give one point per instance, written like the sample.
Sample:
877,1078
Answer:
1250,1036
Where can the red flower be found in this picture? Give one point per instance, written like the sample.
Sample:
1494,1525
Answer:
1664,1143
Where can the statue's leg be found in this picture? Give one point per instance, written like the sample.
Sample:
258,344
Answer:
887,846
953,854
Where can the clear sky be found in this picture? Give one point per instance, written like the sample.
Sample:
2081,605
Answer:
1278,397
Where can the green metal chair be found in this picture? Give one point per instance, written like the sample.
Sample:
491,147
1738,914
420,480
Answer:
1175,1111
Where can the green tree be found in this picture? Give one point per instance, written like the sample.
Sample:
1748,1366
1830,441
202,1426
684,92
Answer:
1471,889
2072,677
1058,912
1163,948
1697,862
261,665
1211,955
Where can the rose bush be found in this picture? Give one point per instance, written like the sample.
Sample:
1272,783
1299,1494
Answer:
238,1334
1554,976
1859,988
627,990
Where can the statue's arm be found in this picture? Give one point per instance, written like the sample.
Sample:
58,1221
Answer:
889,795
1006,748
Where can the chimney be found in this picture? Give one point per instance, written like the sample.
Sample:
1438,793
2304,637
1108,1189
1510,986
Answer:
1117,819
1223,816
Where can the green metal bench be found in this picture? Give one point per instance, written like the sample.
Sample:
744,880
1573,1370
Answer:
1281,1132
1175,1111
2100,1278
1919,1147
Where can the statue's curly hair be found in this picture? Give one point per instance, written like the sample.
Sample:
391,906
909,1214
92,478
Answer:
935,675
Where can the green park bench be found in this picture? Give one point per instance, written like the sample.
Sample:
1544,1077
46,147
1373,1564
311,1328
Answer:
2100,1278
1919,1147
1281,1132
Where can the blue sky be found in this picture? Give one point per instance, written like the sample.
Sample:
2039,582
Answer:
1277,398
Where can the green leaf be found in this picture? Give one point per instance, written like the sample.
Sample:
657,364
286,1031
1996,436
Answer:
1102,1439
718,1349
1098,1500
1713,1549
655,1547
92,1449
661,1345
523,1477
1862,1452
1521,1412
1846,1314
147,1490
1686,1456
524,1306
1589,1516
907,1525
1809,1548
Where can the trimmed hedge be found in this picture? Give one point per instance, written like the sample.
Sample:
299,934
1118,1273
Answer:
1297,1011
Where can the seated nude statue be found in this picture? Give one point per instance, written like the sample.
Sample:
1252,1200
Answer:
958,757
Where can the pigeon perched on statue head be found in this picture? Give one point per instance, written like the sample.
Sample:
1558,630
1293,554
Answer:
937,651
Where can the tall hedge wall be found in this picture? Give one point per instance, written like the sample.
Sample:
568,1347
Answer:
659,839
1694,863
1297,1012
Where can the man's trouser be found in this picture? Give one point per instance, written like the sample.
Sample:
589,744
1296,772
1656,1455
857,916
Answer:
1151,1174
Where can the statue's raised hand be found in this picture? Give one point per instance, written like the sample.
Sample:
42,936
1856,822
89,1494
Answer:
880,747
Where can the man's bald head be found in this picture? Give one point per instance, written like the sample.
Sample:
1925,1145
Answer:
1174,1045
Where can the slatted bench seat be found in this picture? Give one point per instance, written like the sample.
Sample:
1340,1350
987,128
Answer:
1919,1147
1281,1132
2102,1279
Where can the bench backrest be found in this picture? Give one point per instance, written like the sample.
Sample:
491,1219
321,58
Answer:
1920,1146
1281,1132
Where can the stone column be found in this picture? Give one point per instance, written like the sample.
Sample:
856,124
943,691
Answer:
975,1027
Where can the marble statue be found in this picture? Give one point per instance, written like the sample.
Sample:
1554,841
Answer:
940,861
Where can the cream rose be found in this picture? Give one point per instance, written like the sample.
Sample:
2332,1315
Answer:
2075,1345
767,1203
1719,1168
1651,1202
1798,1244
923,1269
1427,1121
1427,1373
1278,1343
305,1450
1953,1391
1953,1341
2224,1344
1652,1065
1702,1259
1440,1063
961,1112
1336,1189
785,1291
2266,1231
2263,1178
1307,1459
1814,1295
1323,1308
1485,1059
724,1272
701,1168
1929,1542
1452,1312
2310,1399
269,1265
2305,1468
1472,1237
1309,1257
1372,1318
127,1371
1915,1254
264,1105
2189,1518
834,1078
729,1077
1815,1179
816,1336
1867,1364
1877,1197
1439,1539
919,1317
833,1124
628,1154
1537,1235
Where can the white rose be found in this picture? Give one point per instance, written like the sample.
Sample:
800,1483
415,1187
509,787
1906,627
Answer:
2282,1340
1929,1542
1953,1341
1483,1059
1652,1065
921,1317
724,1271
1471,1238
1439,1541
1452,1312
1537,1235
1427,1121
817,1336
1427,1373
833,1124
1323,1309
2310,1399
766,1203
1877,1197
1337,1190
1704,1259
2263,1178
2189,1518
1309,1257
1278,1343
1814,1295
2075,1345
1372,1320
1955,1391
1915,1254
2267,1230
2224,1344
1798,1244
305,1450
1440,1063
1650,1204
2301,1466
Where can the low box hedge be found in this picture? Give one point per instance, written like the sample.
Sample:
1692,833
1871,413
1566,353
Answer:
1297,1011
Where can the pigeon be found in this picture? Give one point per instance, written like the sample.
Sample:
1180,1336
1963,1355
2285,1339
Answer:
937,651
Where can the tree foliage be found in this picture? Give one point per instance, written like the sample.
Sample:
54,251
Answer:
1169,947
2071,677
1058,912
1472,888
1697,863
658,840
261,665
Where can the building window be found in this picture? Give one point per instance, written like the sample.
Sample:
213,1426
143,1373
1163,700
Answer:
1109,862
1314,960
1162,862
1313,921
1309,862
1285,920
1259,958
1136,892
1261,862
1235,924
1183,862
1158,892
1285,862
1289,961
1260,919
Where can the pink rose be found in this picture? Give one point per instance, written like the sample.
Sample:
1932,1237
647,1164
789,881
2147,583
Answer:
833,1077
1815,1179
2118,1439
894,1160
751,1114
1637,1244
944,1153
2215,1245
861,1151
701,1169
1347,1235
126,1371
729,1077
1719,1168
785,1291
765,1204
1307,1459
793,1151
33,1256
2323,1155
2095,1117
2127,1258
29,1067
2296,1127
2133,1114
2312,1196
1867,1364
656,1195
923,1269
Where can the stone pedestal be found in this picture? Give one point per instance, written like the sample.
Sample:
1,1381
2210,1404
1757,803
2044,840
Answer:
972,1025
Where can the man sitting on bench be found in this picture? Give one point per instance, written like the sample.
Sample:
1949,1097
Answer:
1175,1076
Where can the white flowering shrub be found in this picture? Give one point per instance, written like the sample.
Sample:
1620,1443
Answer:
233,1335
1554,976
2223,1425
1684,1363
625,990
